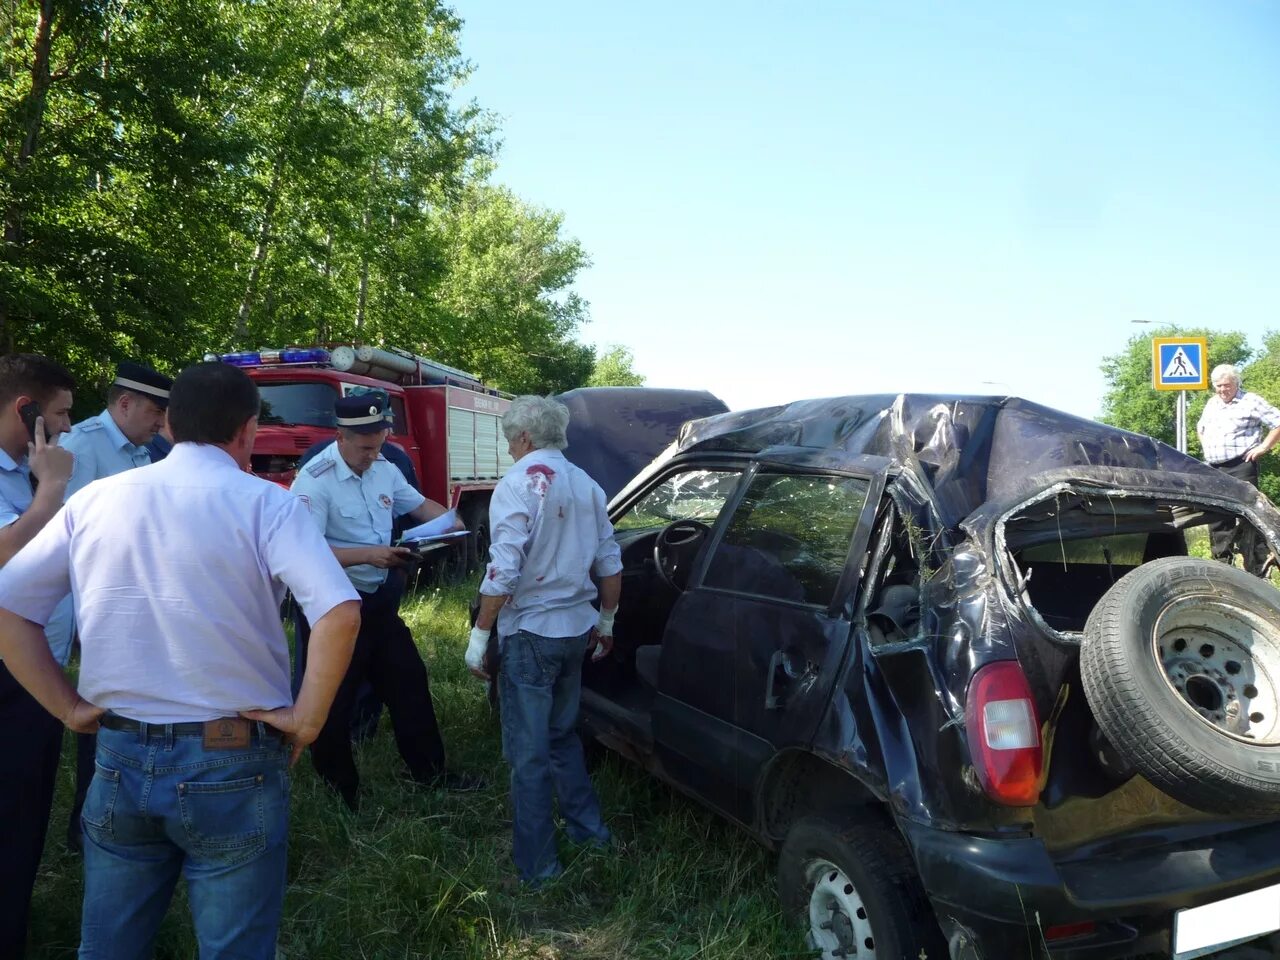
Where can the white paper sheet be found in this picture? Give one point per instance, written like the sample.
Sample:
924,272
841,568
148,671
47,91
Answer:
441,526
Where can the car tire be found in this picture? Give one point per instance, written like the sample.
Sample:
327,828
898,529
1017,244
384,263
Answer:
855,887
1181,666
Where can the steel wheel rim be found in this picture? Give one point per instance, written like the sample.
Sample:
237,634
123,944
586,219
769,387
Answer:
839,924
1222,663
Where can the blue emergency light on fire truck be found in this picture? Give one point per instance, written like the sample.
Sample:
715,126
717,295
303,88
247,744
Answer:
445,419
385,364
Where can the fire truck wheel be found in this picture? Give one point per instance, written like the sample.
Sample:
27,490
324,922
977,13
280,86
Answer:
477,520
451,564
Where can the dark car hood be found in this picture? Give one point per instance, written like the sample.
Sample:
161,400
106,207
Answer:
615,431
967,450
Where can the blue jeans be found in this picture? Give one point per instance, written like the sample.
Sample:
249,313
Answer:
541,681
160,805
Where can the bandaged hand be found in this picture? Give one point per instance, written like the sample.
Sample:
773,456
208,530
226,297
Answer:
477,646
603,634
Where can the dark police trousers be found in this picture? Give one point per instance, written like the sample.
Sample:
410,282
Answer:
30,741
385,655
1226,535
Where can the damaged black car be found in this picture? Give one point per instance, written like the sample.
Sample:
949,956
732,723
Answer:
949,657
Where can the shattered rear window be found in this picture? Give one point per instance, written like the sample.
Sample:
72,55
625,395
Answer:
1070,548
1126,550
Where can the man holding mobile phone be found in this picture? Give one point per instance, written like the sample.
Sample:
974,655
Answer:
35,409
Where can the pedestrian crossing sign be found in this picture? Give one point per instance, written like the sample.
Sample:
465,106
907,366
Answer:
1179,363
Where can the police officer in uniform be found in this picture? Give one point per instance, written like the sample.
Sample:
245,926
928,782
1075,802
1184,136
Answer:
110,443
366,710
354,494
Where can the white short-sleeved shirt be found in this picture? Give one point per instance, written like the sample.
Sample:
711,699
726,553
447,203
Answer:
101,450
178,570
551,531
355,510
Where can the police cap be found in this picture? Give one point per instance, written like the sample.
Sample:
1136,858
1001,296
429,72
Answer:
363,412
144,380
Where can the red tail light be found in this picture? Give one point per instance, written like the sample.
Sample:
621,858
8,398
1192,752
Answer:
1004,734
1068,931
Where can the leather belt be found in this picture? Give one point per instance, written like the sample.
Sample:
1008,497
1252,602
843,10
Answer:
230,732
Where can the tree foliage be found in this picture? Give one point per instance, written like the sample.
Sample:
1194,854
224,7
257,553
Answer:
613,369
186,175
1131,403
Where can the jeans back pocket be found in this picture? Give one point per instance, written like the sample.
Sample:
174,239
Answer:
224,820
531,658
97,816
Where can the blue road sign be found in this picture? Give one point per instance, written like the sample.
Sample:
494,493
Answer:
1178,363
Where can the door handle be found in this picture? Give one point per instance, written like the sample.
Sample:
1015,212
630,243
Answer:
773,701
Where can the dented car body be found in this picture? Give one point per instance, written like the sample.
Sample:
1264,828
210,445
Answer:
865,616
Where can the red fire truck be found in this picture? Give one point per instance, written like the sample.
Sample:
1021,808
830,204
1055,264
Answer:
446,420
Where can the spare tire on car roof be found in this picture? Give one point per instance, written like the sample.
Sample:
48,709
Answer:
1181,666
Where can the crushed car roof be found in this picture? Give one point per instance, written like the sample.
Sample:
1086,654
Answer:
615,431
968,449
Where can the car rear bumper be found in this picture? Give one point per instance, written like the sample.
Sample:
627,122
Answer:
995,898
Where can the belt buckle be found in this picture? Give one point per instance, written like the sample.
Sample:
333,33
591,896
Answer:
226,733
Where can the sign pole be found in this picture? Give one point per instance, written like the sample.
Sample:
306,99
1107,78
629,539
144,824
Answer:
1182,421
1179,363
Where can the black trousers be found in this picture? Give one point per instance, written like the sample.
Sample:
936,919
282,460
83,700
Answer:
386,656
86,751
1225,536
30,741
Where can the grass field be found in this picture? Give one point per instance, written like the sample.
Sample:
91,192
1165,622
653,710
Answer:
427,874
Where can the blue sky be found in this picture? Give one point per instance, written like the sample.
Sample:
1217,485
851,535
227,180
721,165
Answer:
819,198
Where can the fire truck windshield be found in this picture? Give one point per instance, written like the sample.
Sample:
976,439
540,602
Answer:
297,404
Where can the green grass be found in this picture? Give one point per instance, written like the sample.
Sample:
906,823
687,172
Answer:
1198,546
426,874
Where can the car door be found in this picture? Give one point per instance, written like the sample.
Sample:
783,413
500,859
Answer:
753,646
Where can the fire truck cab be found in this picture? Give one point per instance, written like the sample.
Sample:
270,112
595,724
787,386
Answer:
446,420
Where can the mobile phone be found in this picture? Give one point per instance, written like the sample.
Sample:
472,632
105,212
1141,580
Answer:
29,411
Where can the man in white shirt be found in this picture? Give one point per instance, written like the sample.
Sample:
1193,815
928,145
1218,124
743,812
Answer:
1230,432
110,443
551,532
182,647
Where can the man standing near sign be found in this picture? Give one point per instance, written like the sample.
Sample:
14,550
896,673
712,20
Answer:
1230,429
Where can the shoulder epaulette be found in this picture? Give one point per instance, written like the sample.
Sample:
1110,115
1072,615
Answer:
319,466
87,426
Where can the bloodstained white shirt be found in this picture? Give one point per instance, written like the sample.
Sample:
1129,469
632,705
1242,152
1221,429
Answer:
550,532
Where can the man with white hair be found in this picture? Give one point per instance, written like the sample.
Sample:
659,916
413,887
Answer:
1230,431
550,532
